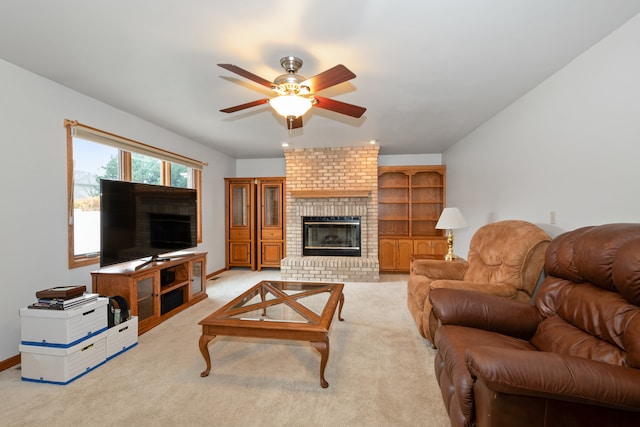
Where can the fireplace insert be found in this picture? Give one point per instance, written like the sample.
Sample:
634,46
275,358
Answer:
331,236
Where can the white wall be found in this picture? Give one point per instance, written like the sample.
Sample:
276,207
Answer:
247,168
571,145
253,168
409,159
33,211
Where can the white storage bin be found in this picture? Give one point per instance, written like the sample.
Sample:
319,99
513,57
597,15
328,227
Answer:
122,337
62,365
63,328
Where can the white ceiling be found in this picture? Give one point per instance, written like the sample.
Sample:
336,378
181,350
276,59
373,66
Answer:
428,71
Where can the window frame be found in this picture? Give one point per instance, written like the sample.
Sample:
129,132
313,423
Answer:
125,148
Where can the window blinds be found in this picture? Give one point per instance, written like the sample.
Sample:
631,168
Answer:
79,130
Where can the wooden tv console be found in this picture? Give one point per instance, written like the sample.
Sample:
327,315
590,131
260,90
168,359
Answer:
156,291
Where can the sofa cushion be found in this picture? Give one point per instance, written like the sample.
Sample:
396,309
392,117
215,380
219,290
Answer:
626,271
588,254
507,262
555,335
586,316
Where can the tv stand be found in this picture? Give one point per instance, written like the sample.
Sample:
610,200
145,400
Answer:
156,289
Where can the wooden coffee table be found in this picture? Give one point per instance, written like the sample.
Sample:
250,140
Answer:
299,311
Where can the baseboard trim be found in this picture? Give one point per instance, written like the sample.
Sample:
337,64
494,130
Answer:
10,362
215,273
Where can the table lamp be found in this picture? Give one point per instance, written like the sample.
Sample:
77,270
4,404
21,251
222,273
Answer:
450,219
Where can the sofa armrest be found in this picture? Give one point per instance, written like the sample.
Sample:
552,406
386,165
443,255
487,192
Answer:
484,311
439,269
554,376
500,289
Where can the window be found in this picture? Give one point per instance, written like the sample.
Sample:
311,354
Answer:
180,176
91,161
93,154
145,169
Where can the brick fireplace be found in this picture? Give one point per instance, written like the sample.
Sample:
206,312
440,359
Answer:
337,182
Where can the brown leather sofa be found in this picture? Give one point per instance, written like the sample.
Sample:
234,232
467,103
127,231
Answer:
571,359
505,258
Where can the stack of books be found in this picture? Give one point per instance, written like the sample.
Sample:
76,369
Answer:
63,298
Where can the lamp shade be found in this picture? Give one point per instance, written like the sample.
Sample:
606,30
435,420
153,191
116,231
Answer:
450,219
290,105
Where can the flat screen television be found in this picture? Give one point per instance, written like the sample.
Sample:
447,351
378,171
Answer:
139,221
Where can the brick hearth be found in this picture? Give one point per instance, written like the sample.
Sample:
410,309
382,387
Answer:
332,182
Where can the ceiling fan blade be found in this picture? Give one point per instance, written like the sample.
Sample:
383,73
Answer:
244,106
339,107
331,77
294,123
246,74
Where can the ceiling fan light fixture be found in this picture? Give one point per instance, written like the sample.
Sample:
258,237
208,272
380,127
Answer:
290,105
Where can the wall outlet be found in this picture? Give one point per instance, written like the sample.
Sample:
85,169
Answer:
552,217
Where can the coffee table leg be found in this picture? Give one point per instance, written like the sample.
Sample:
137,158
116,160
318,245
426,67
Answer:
204,349
340,307
263,294
323,348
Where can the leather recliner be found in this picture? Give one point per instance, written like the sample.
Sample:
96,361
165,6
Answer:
571,359
505,258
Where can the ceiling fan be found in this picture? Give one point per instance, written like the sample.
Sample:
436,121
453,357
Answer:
295,94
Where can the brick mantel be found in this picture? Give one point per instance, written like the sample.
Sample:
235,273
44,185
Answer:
332,182
323,194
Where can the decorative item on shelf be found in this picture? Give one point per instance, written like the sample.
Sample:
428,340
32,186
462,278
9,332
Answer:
450,219
62,292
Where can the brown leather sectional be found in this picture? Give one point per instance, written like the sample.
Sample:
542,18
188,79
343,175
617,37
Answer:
570,359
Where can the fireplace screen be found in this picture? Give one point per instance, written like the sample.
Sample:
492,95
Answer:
331,236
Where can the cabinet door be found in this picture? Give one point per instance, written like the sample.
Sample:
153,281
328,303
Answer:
395,254
147,305
422,247
430,247
241,222
271,254
271,222
240,253
197,270
386,254
239,210
271,208
440,247
404,250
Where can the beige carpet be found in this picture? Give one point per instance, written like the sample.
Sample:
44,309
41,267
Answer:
380,373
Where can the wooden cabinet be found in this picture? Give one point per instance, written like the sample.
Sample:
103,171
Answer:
240,222
410,201
271,219
255,222
157,291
